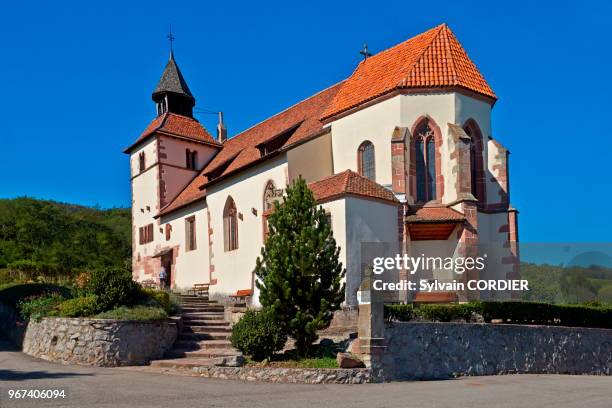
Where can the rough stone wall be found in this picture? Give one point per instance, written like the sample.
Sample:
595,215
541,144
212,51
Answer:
289,375
445,350
98,342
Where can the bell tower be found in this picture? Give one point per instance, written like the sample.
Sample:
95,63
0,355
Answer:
172,93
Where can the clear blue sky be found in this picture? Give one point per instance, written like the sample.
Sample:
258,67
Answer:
77,80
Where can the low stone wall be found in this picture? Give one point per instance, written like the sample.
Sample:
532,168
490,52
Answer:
98,342
288,375
445,350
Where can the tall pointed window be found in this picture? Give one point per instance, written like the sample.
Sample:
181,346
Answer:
425,155
477,177
365,160
230,225
271,195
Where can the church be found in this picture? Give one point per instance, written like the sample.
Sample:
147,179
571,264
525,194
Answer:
402,151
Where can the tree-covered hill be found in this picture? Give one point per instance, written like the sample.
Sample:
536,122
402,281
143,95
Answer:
47,238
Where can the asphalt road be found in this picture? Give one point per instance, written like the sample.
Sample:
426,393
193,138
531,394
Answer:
129,387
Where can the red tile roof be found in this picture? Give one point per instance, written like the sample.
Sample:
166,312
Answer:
432,59
435,214
305,115
351,183
177,125
240,150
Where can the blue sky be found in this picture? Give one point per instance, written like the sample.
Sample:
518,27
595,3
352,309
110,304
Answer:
77,79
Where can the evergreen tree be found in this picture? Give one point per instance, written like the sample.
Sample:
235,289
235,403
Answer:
299,272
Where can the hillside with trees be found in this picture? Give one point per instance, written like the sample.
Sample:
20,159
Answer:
51,241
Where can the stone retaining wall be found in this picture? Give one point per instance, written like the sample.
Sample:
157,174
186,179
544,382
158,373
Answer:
444,350
288,375
98,342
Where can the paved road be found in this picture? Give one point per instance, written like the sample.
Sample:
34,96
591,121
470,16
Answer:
134,388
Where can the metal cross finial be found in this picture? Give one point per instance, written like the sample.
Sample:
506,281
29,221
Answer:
365,52
171,38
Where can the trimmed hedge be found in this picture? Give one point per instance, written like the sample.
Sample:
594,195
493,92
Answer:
258,335
509,312
79,307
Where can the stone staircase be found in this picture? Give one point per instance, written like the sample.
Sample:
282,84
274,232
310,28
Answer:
204,337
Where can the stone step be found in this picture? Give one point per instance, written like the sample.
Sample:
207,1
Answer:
204,336
204,322
202,345
203,316
206,329
186,353
184,362
201,309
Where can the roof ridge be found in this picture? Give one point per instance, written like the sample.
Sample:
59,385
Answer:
450,55
285,110
417,60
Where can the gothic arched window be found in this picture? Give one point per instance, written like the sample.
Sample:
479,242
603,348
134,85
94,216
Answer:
425,155
365,160
230,225
477,176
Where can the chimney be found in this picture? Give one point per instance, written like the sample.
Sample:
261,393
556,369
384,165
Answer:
221,129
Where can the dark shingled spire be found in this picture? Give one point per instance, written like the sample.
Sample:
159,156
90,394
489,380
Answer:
172,93
172,80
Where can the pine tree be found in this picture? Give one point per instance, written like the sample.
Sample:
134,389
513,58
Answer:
299,271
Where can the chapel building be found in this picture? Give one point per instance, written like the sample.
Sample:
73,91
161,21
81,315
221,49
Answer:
402,151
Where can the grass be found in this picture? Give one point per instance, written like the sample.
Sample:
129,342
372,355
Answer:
280,362
142,313
322,357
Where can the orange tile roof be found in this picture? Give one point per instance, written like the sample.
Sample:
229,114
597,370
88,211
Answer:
305,114
177,125
349,182
435,214
240,150
431,59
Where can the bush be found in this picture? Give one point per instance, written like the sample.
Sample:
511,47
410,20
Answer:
114,287
79,307
36,307
142,313
258,335
12,295
162,299
508,312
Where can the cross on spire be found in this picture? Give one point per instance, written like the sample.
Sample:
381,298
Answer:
171,39
365,52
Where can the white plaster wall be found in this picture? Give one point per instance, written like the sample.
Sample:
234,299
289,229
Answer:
374,123
234,269
366,221
150,150
145,202
175,152
493,187
337,209
190,266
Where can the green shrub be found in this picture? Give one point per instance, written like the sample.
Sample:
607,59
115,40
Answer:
258,335
114,287
508,312
36,307
79,307
163,299
142,313
12,295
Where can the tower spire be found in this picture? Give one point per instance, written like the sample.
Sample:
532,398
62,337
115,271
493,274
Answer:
172,93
